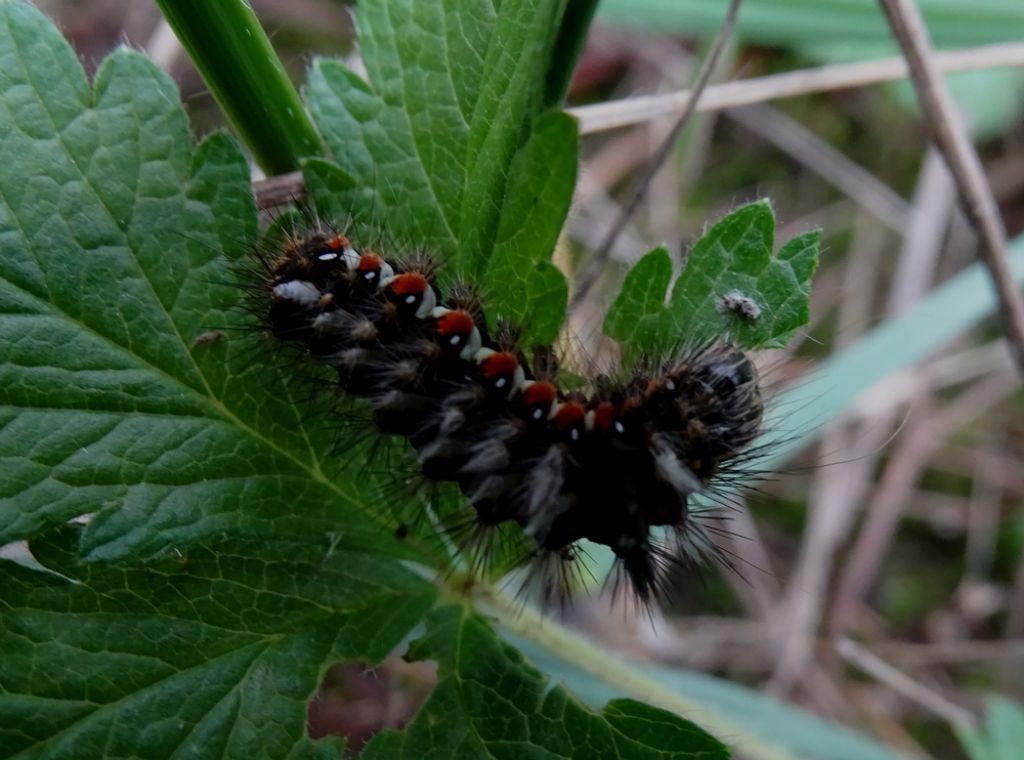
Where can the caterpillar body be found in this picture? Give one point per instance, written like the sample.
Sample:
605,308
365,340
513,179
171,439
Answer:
616,465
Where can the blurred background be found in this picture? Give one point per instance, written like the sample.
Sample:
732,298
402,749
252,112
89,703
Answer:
881,579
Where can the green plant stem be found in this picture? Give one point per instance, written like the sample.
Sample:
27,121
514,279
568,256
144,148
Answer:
572,36
524,621
245,75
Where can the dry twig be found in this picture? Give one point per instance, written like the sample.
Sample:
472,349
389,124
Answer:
837,491
274,192
590,273
950,136
830,164
924,434
639,110
900,682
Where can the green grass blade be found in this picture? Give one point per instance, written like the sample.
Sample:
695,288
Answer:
792,22
802,413
764,728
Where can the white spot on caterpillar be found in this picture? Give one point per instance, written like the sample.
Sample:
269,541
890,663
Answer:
451,421
488,457
364,330
472,345
518,380
670,469
489,487
351,257
740,304
330,320
329,256
428,305
440,448
541,486
299,291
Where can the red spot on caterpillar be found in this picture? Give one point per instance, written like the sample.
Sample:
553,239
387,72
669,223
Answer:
569,415
338,242
369,262
541,393
410,283
455,323
499,364
604,416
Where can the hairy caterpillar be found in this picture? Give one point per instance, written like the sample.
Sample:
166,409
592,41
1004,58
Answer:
616,464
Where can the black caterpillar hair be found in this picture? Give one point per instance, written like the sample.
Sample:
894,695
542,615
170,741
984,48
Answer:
615,465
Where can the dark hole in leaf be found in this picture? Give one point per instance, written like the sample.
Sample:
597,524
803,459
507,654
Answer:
356,701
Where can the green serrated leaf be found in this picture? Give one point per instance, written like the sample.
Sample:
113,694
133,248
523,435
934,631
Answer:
732,287
116,241
115,248
519,281
547,295
211,653
490,703
446,146
637,317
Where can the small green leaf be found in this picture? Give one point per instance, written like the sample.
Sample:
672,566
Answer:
732,287
446,145
510,98
520,283
638,314
210,653
490,703
547,294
